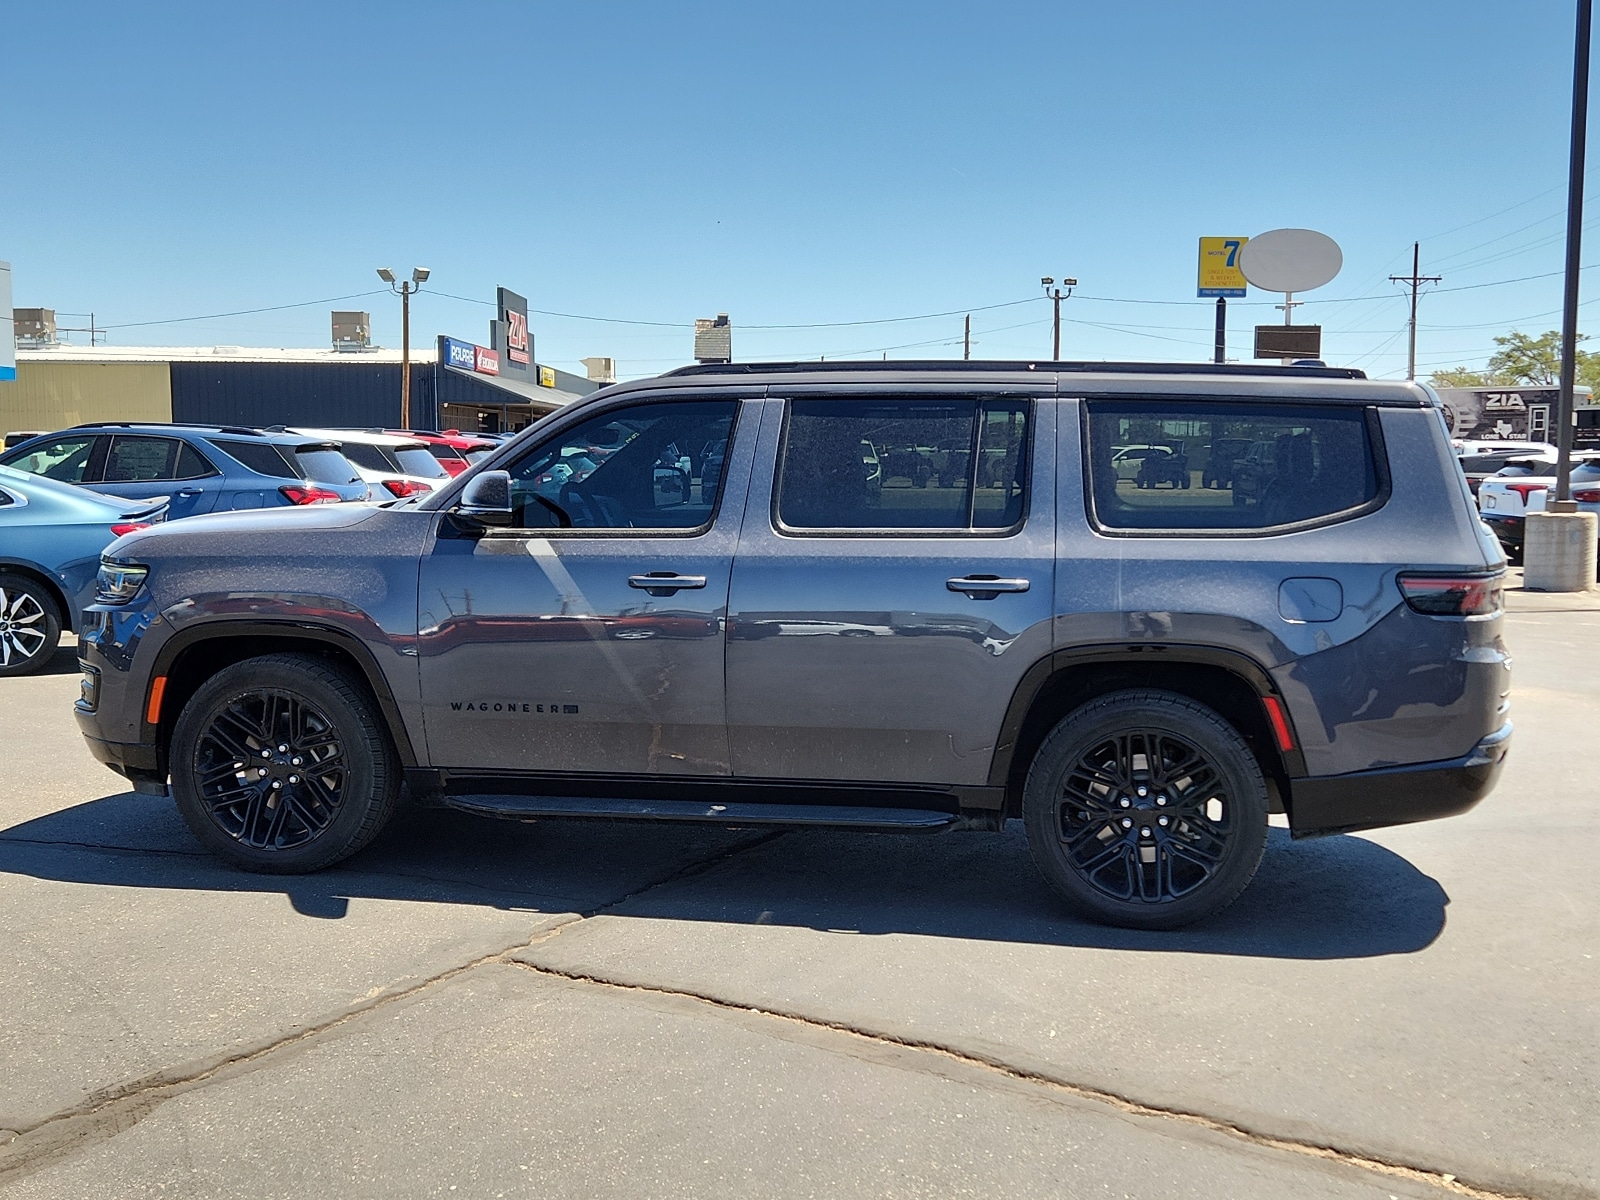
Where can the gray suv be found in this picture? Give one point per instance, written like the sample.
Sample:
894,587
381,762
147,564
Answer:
752,611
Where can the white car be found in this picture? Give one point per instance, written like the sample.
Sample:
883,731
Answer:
1523,485
392,465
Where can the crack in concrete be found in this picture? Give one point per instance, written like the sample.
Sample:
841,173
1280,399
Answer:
24,841
116,1109
1124,1104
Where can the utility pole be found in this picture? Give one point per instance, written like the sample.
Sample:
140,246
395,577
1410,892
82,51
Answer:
1058,296
405,289
1569,307
1221,347
1415,280
966,339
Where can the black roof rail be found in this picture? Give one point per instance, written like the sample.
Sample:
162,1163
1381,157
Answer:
959,366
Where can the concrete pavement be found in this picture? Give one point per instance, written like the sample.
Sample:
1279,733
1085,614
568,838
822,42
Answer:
574,1009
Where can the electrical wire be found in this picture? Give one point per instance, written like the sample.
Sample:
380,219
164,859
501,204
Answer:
246,312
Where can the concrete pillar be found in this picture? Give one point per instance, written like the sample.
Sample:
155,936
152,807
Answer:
1558,551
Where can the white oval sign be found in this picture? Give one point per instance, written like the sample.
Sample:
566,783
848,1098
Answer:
1290,260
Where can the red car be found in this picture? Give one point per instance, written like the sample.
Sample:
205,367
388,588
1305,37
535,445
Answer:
456,451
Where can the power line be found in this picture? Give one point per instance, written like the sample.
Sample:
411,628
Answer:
244,312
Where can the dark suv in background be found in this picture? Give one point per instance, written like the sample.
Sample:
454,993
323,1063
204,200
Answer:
754,610
202,468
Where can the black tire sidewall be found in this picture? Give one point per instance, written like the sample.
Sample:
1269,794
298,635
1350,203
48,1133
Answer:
1168,712
52,624
369,789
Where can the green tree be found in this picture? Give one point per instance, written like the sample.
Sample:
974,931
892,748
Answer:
1524,361
1464,377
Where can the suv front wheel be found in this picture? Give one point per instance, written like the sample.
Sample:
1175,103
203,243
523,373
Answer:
280,765
1146,809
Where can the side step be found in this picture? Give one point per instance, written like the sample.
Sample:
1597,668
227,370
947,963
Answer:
839,816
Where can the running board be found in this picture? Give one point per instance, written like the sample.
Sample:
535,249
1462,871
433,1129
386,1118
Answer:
838,816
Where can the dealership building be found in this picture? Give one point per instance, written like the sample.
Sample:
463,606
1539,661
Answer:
455,383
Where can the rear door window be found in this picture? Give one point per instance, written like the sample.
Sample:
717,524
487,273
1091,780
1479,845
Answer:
903,464
133,459
1203,466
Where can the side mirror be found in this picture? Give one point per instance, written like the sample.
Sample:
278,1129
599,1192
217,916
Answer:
671,487
487,499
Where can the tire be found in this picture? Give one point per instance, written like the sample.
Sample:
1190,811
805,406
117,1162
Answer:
287,820
30,625
1102,845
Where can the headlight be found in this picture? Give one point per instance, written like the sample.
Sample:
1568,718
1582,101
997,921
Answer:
118,583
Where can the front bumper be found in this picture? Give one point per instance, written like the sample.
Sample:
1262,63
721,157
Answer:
139,764
1397,795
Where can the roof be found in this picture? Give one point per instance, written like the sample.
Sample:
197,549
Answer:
370,437
531,393
1130,380
425,353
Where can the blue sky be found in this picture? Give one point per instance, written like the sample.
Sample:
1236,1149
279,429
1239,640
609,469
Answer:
793,165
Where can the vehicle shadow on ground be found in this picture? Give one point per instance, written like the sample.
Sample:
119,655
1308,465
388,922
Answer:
63,662
1339,897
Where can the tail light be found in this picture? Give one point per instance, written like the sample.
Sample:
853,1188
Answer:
1587,496
297,493
122,527
1526,490
407,487
1454,595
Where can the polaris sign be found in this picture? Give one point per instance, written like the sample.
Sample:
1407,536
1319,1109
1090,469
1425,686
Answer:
460,354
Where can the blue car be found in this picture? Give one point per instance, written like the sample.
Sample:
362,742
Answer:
202,468
51,535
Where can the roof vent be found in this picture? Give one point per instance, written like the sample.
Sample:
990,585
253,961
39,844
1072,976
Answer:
352,330
601,370
713,340
36,327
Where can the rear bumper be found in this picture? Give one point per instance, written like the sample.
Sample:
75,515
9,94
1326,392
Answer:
1507,529
1397,795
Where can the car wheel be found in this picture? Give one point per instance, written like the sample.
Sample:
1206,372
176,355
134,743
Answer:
1146,809
30,625
280,764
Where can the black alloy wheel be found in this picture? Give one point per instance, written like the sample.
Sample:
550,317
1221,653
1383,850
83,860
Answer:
280,764
30,625
270,766
1147,809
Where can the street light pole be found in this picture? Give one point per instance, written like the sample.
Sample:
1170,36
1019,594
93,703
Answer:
405,288
1057,296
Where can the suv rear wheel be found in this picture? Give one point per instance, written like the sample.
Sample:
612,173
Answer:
281,765
30,625
1146,809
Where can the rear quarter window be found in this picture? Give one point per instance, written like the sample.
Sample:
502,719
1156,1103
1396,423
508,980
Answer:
261,457
1213,467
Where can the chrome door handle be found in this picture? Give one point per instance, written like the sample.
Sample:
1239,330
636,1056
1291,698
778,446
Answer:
984,587
664,583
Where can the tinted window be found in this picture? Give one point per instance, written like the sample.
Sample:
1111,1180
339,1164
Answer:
64,459
192,464
364,454
442,452
903,464
652,474
140,459
415,460
261,457
1204,466
325,466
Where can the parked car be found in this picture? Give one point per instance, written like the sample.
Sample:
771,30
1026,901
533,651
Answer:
455,450
1128,461
51,536
1220,457
1523,485
1487,458
202,468
1159,466
389,464
1139,676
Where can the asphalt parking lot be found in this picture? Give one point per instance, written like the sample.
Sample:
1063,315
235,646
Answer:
475,1008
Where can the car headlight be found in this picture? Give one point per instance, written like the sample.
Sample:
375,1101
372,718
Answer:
118,583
